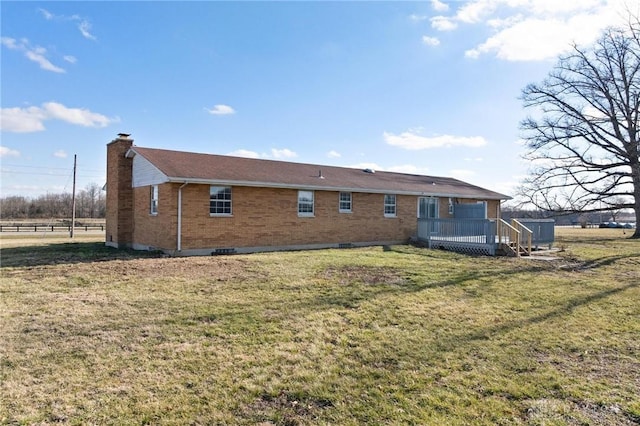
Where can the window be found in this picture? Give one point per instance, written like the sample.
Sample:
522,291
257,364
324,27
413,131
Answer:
390,205
305,203
220,200
153,208
427,207
345,202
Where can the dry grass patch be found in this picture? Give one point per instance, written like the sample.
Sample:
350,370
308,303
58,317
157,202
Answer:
359,336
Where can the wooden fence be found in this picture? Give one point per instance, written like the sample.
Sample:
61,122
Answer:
32,227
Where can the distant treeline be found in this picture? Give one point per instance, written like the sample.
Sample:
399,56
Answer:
564,218
90,203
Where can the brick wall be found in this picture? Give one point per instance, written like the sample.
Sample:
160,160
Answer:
268,217
159,230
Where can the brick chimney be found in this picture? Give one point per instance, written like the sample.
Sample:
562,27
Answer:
119,214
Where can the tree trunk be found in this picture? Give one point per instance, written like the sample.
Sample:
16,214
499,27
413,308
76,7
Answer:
636,208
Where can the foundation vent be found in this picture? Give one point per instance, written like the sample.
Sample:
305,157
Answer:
222,251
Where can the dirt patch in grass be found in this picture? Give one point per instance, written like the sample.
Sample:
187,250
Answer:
286,409
369,275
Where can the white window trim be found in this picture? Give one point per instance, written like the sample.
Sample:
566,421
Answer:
153,202
395,206
230,214
313,204
350,209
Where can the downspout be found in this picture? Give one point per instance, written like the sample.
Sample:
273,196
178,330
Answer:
179,244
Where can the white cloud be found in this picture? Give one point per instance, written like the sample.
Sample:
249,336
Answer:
430,41
8,152
81,117
70,59
283,153
417,18
476,159
412,141
221,109
439,6
85,29
47,15
60,154
9,42
499,23
31,119
565,7
476,11
442,23
22,120
37,55
534,30
33,53
539,39
84,26
472,53
333,154
244,153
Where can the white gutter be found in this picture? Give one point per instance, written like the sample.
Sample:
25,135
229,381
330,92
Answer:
179,244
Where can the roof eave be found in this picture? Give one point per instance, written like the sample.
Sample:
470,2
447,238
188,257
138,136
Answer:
224,182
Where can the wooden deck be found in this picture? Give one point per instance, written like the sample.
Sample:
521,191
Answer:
480,236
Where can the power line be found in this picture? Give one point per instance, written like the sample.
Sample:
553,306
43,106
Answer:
49,168
48,174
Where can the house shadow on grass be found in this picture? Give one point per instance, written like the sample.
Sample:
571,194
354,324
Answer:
67,253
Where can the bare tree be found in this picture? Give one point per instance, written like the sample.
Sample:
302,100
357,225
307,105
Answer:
583,137
91,203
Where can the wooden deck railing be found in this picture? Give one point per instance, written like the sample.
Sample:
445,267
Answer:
466,235
484,236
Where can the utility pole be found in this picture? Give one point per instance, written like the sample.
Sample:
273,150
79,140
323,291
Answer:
73,199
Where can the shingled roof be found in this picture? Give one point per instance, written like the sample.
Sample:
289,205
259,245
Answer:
179,166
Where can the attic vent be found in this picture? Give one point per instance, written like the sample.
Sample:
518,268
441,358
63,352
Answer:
369,171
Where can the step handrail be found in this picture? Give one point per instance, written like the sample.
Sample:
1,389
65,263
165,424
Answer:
525,232
506,234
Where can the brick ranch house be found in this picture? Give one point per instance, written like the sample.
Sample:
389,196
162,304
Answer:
186,203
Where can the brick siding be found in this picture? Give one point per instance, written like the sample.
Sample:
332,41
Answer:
268,217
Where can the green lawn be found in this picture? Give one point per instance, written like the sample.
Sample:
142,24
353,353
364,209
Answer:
92,335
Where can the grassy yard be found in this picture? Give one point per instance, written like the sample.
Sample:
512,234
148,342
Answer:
91,335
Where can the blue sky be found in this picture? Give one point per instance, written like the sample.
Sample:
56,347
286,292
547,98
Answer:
426,87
